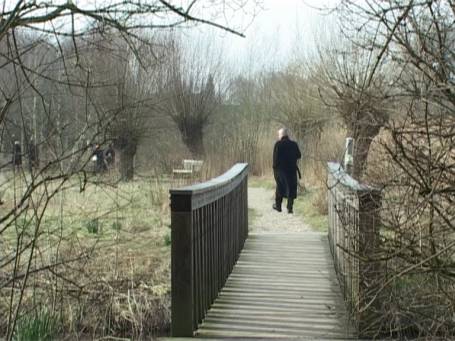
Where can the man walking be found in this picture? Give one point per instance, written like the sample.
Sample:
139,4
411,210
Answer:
17,156
285,155
98,158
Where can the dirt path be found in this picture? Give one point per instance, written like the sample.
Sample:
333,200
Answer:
267,219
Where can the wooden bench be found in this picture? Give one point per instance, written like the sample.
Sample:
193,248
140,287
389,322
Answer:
190,167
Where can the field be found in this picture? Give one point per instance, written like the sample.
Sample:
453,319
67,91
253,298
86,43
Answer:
110,245
108,252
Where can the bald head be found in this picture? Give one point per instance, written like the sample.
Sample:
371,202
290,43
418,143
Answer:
283,132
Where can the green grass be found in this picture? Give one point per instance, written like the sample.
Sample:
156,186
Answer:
93,226
127,225
122,230
306,206
39,326
252,216
267,183
167,239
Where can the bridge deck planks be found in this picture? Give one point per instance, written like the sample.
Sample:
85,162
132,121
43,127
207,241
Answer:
283,285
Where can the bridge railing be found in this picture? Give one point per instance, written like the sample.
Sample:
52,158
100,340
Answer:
354,223
209,223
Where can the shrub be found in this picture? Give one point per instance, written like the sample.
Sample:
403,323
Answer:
167,239
39,326
116,226
93,226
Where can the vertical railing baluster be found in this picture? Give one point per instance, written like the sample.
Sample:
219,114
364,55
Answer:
227,232
245,206
220,243
200,266
224,240
213,286
182,280
195,269
209,255
205,266
235,225
232,232
203,262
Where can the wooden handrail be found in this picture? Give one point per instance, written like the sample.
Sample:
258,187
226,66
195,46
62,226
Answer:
209,223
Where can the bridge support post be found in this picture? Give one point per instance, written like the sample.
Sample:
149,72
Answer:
354,235
369,266
182,267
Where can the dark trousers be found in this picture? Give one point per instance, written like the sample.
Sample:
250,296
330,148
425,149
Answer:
286,187
279,200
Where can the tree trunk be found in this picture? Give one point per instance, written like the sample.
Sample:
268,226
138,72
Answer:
363,135
361,148
126,162
193,139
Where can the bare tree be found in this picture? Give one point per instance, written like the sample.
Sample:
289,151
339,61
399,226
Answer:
244,117
48,90
354,87
295,97
192,92
413,162
129,95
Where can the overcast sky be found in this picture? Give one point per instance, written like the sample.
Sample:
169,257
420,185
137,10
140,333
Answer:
279,32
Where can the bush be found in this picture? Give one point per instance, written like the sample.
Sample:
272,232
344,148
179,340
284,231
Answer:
39,326
167,239
116,226
93,226
316,154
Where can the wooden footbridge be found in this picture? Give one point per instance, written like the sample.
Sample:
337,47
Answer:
229,284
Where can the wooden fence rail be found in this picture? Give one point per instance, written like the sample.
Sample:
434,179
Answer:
354,223
209,223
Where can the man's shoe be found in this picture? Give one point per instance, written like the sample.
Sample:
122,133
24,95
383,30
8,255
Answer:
290,211
276,208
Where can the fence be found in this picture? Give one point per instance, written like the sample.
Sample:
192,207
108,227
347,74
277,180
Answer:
354,239
209,224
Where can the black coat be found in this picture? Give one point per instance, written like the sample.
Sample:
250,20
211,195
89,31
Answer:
285,156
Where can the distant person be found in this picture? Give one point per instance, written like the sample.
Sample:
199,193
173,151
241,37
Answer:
285,155
17,155
98,158
110,155
33,156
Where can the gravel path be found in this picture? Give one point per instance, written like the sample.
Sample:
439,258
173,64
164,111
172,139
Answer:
267,219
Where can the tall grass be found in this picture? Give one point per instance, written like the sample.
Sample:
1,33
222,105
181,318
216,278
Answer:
316,154
38,326
114,277
240,137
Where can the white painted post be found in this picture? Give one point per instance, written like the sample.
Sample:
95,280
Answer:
348,155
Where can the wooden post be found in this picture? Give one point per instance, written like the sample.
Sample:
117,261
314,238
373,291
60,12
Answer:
368,244
354,234
182,266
